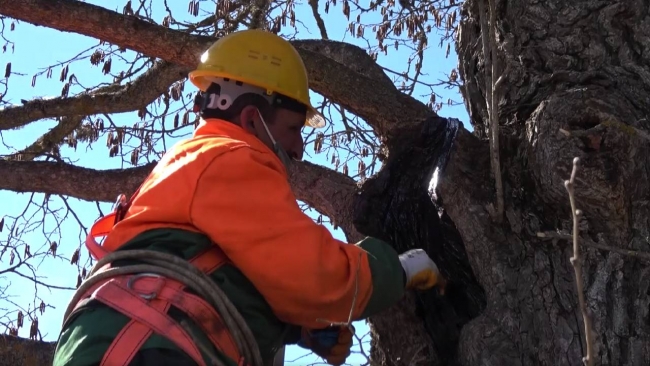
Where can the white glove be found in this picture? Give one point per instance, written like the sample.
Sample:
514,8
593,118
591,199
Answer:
421,272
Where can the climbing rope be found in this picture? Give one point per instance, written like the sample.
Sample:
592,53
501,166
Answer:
183,271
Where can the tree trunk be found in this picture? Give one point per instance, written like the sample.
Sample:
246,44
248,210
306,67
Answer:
575,87
576,80
396,206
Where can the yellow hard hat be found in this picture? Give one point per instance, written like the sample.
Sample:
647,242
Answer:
262,59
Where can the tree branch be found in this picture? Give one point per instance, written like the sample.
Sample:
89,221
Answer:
124,30
144,90
588,359
391,110
259,9
318,18
70,180
327,191
24,351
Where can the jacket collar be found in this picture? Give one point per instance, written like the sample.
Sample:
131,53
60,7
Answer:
219,127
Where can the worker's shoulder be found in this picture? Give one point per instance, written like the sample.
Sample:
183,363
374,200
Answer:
210,147
212,143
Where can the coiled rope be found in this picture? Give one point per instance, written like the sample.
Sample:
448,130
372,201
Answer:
183,271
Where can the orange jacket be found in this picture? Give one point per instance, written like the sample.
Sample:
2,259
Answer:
227,184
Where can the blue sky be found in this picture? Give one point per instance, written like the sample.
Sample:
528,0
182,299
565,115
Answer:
36,48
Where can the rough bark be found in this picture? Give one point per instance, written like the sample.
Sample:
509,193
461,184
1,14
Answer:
512,297
25,352
397,205
579,66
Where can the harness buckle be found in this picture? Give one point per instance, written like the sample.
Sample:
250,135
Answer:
150,296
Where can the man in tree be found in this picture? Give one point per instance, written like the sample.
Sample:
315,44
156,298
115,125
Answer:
222,201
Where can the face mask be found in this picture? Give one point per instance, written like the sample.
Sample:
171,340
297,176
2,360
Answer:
279,151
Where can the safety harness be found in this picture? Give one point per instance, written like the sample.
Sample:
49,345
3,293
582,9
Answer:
145,293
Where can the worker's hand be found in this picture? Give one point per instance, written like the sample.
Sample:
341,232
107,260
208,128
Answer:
333,344
421,272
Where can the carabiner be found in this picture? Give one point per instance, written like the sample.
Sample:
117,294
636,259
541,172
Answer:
132,279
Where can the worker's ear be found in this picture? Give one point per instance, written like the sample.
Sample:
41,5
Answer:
247,119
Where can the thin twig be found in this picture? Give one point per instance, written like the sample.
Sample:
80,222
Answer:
577,267
492,82
494,115
319,20
417,357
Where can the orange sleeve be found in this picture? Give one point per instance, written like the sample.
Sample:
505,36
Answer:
243,201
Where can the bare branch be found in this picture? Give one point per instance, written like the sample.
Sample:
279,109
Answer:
577,266
16,351
49,140
318,18
488,36
353,57
391,110
494,113
124,30
329,192
259,9
69,180
129,97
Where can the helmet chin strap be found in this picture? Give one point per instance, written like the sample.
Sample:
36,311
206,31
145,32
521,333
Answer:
279,151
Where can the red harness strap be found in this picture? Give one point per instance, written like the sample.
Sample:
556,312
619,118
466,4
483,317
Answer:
146,298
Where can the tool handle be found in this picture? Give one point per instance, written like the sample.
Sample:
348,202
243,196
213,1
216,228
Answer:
325,338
